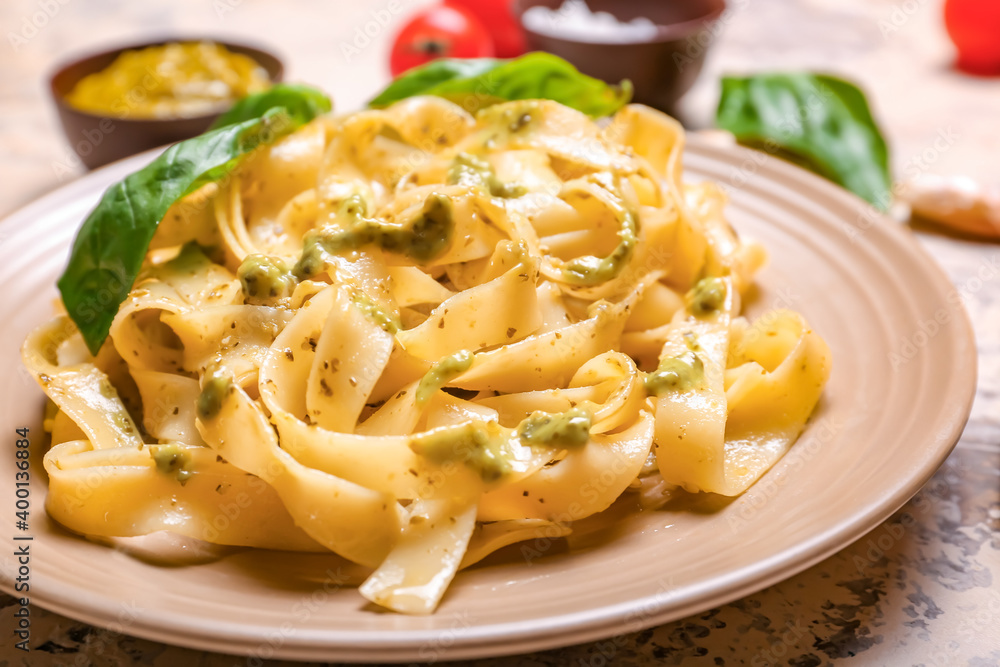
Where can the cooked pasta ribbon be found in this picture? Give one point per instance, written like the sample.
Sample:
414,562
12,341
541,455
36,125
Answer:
412,337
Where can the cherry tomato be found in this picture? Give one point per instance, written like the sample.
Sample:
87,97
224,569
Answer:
974,27
498,17
439,32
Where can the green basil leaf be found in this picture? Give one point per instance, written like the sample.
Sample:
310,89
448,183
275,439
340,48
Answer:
112,242
419,80
821,119
302,103
477,82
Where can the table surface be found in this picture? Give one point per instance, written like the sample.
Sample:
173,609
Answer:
929,596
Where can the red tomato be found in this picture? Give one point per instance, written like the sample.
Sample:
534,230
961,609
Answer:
498,17
439,32
974,27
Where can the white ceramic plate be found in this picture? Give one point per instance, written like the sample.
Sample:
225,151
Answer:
902,386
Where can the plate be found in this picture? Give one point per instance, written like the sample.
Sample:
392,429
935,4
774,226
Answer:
902,385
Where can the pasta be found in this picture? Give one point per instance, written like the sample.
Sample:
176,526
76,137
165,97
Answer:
412,336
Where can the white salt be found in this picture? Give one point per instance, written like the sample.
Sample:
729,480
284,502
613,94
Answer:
574,20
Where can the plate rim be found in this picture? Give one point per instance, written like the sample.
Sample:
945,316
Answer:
600,622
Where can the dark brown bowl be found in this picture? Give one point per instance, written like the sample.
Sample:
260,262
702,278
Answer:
100,139
661,70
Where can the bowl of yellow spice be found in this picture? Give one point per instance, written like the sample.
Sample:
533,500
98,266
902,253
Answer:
126,100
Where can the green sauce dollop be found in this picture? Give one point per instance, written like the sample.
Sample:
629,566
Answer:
264,277
373,311
566,429
679,373
707,296
441,373
426,237
471,443
172,460
591,270
213,393
488,448
467,169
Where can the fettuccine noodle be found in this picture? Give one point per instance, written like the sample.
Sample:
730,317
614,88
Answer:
412,337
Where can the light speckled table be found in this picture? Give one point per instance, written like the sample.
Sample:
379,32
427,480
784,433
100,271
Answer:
926,592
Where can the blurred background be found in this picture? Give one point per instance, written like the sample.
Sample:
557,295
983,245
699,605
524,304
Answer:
897,51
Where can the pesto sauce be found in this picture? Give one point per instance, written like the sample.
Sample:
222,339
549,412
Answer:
691,341
519,116
213,393
707,296
353,208
313,259
469,443
264,277
679,373
374,312
443,372
591,270
566,429
172,460
486,447
426,237
467,169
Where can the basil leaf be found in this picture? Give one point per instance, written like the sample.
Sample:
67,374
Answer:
302,103
477,82
419,80
112,242
821,119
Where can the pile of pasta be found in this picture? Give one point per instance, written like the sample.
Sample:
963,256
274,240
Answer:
413,336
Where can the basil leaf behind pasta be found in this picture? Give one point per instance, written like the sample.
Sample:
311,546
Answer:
823,120
478,82
112,242
302,104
